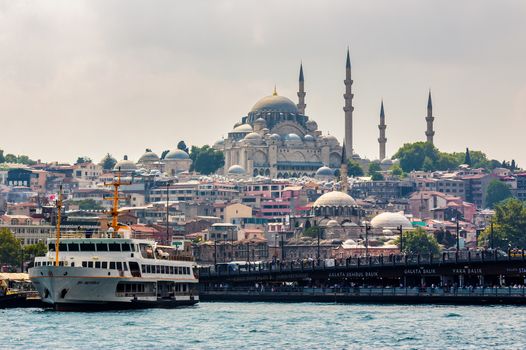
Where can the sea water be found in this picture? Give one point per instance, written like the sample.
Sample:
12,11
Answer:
269,326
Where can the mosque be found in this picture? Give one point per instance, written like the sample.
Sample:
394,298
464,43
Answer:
277,139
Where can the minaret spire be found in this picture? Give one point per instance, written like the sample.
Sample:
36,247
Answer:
348,108
301,92
344,183
382,139
429,120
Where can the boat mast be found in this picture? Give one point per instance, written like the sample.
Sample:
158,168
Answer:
115,207
59,215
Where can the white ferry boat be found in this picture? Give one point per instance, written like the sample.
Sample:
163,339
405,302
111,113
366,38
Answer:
113,272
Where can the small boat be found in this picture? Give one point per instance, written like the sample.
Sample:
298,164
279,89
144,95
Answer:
16,290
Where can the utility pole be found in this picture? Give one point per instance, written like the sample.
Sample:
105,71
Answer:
458,234
400,229
168,241
367,228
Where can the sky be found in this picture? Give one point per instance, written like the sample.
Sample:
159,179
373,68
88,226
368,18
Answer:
84,78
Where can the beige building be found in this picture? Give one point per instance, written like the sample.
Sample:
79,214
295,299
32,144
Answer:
237,211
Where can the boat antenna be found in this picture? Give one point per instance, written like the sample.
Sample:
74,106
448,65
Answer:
59,216
116,183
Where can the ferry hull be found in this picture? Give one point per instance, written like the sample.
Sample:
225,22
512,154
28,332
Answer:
133,305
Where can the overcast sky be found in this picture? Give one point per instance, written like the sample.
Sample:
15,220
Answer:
91,77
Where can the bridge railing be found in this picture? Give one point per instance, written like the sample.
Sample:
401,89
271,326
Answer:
368,291
313,265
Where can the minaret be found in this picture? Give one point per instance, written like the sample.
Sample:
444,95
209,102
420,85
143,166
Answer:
301,92
382,140
348,109
429,120
344,183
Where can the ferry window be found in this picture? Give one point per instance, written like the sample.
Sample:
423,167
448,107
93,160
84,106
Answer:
171,270
126,247
125,266
97,264
162,269
102,247
150,269
90,263
72,264
157,269
115,247
112,265
84,264
73,247
51,247
119,265
62,247
143,268
120,288
104,264
87,247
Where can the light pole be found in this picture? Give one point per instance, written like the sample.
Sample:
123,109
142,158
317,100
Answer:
367,228
400,229
458,234
168,183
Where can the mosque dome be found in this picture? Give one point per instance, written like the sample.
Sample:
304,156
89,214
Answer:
253,137
177,155
125,165
332,223
219,144
309,138
148,157
390,220
332,140
243,128
387,161
237,124
324,171
275,137
275,103
335,199
236,170
260,121
292,138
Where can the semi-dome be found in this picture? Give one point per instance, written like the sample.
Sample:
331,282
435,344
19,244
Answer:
275,137
125,165
312,125
331,139
219,144
275,103
309,138
177,155
243,128
387,161
332,223
335,199
324,171
253,137
260,121
292,137
236,170
390,220
148,157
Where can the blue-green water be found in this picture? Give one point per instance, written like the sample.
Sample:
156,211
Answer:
270,326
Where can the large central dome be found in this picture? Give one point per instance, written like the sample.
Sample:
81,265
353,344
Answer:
275,103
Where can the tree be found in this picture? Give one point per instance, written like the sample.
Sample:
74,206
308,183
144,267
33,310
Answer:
108,162
496,192
10,248
419,242
84,159
374,167
354,169
413,155
182,146
513,166
10,158
312,231
509,225
34,250
377,177
467,158
396,170
22,159
206,160
445,238
88,204
2,158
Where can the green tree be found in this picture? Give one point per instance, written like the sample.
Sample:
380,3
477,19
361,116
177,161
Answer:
34,250
467,158
377,177
10,158
88,204
445,238
509,225
354,169
84,159
312,231
108,162
419,242
206,160
182,146
428,164
413,155
22,159
496,192
374,167
2,158
396,170
10,248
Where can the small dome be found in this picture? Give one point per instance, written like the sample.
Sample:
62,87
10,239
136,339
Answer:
253,137
148,157
237,124
387,161
260,121
312,125
243,128
275,137
275,103
335,199
219,144
309,138
332,140
292,138
125,165
332,223
324,171
236,170
177,155
390,220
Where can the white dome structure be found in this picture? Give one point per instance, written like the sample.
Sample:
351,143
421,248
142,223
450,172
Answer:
324,171
389,220
236,170
275,103
332,223
148,157
177,154
253,138
334,199
125,165
243,128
